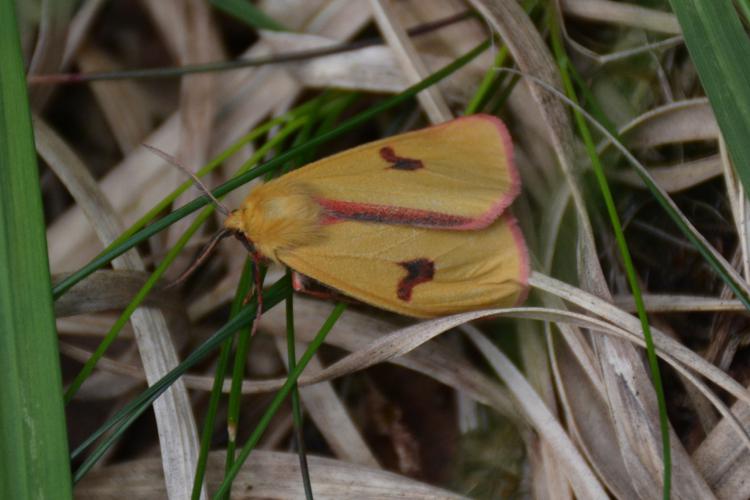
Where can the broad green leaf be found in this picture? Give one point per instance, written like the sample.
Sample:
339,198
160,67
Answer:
33,441
720,51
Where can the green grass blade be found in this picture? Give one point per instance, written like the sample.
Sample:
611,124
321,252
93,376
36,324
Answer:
720,50
299,434
565,72
248,13
241,351
33,440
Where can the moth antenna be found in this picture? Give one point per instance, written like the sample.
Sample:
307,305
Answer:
207,250
175,162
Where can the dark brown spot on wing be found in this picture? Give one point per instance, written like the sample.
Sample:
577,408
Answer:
417,271
399,162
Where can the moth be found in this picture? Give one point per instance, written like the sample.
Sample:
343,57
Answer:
417,223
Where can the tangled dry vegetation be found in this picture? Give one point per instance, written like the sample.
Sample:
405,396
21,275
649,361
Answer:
551,400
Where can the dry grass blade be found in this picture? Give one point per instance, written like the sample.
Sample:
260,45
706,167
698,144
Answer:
268,475
584,404
622,13
681,359
604,309
415,70
675,178
680,303
582,479
634,409
404,340
373,69
113,379
71,238
678,122
79,28
188,29
552,481
108,290
739,205
48,52
90,326
723,461
126,106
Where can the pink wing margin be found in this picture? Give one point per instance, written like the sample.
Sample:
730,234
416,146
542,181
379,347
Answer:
338,210
514,189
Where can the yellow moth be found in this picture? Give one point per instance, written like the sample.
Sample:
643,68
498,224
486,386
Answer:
416,223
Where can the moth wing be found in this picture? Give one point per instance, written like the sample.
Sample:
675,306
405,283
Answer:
463,168
380,264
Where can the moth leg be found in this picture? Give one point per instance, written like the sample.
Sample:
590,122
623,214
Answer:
304,284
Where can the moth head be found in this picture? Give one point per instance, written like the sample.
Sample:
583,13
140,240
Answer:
234,224
276,216
234,221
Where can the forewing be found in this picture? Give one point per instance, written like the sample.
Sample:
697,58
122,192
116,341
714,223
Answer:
462,169
416,271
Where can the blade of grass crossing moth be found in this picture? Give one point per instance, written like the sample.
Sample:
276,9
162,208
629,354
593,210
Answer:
219,375
272,164
296,407
280,397
718,45
122,418
622,245
238,374
297,419
33,439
